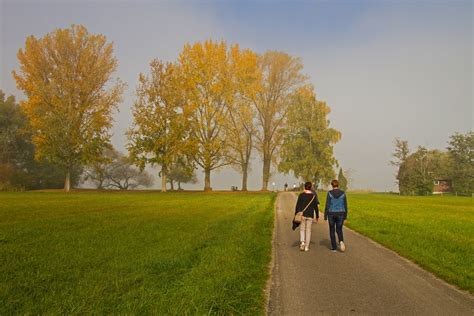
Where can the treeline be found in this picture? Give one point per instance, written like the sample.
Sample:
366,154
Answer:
418,171
214,106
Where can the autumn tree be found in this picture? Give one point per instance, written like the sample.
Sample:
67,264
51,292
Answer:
308,142
66,76
160,132
281,75
241,127
206,80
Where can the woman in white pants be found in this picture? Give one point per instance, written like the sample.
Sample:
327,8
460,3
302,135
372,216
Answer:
308,204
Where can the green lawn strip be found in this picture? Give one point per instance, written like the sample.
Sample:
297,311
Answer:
174,253
435,232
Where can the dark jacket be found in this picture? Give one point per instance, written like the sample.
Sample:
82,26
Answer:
336,193
311,211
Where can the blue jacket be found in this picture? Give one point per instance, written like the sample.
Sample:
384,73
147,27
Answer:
336,204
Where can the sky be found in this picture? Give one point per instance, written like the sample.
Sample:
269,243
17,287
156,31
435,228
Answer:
387,69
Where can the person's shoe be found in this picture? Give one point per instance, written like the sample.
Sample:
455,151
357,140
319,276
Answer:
302,246
342,246
306,249
333,250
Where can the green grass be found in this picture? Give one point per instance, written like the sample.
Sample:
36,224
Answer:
134,253
435,232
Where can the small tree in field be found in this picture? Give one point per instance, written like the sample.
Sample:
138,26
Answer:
181,172
461,151
66,76
399,155
117,171
123,175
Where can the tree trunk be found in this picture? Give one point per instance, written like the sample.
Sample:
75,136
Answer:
266,171
67,182
179,186
245,168
172,185
163,179
207,179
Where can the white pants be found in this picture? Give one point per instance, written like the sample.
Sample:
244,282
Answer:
305,230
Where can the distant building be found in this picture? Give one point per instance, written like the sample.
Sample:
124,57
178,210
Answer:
442,186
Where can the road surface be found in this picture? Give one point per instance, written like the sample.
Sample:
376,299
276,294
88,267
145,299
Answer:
366,279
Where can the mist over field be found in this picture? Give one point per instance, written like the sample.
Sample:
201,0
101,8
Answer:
394,69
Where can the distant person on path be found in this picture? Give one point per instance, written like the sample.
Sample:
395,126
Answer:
286,186
336,212
308,204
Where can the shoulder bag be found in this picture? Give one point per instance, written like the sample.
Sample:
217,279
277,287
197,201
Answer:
299,216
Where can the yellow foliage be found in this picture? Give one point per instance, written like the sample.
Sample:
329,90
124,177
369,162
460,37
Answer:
66,76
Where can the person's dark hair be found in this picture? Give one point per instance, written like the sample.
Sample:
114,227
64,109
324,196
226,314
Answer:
308,185
335,183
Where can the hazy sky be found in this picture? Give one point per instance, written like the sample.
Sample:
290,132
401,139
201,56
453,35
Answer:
387,69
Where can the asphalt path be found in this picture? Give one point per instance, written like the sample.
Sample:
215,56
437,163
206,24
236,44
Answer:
366,279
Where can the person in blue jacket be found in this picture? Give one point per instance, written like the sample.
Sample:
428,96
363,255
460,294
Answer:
336,213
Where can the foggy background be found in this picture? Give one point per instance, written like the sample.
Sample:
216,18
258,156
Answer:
388,69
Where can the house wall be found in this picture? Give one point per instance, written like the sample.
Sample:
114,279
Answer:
442,186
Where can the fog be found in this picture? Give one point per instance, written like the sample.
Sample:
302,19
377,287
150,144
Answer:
393,69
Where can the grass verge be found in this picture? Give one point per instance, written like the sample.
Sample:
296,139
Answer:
435,232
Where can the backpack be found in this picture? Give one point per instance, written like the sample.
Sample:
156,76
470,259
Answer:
336,204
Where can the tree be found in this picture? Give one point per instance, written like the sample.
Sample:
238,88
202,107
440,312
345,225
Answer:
400,155
461,151
98,172
18,168
307,148
181,172
281,74
401,152
241,128
342,180
161,122
66,76
116,171
419,170
13,122
349,175
123,175
206,80
14,143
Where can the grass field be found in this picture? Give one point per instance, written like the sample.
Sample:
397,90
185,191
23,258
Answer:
191,253
435,232
140,253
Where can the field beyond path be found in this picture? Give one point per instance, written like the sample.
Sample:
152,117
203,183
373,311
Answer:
367,278
134,253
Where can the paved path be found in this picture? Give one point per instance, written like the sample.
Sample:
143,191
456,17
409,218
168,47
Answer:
366,279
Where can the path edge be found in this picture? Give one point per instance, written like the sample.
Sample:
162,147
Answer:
271,265
465,293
